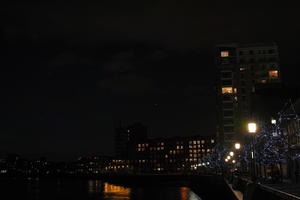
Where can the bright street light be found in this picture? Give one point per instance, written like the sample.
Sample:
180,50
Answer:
252,127
237,145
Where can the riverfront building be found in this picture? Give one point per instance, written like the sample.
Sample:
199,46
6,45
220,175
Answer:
243,69
175,154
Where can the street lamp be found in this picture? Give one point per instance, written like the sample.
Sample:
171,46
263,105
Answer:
237,146
252,128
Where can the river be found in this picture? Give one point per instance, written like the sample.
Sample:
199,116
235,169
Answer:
67,189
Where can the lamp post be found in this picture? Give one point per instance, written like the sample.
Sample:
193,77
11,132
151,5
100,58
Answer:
252,128
237,147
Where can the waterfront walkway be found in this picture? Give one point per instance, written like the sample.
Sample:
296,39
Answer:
285,190
290,190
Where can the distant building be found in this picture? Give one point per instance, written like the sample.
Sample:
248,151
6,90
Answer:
126,136
176,154
242,70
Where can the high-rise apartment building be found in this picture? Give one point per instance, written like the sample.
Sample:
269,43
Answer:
242,70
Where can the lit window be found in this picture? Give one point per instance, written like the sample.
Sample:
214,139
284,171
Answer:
202,141
212,141
273,74
198,142
227,90
162,143
224,54
242,68
139,145
195,142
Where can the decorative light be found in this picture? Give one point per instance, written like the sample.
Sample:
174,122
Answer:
226,160
273,121
231,153
233,161
252,127
228,157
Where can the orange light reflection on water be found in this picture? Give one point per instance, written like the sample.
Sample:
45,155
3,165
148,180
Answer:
116,192
184,193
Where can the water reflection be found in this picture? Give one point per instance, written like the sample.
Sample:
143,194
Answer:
187,194
116,192
105,190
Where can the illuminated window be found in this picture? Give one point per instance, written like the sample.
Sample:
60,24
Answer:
195,142
263,81
212,141
162,144
227,90
273,74
139,145
139,149
198,142
224,54
202,141
242,68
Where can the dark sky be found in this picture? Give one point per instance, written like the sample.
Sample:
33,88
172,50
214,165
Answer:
69,72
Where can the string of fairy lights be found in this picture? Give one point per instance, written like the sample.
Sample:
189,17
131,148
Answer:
271,143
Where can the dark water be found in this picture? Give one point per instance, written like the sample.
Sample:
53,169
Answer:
12,189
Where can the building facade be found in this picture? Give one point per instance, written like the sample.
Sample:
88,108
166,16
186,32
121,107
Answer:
162,155
242,70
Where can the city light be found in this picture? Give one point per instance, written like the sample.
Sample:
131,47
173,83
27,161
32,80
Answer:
233,161
231,153
273,121
228,157
226,160
252,127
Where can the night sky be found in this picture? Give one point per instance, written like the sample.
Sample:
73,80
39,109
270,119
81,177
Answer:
71,72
